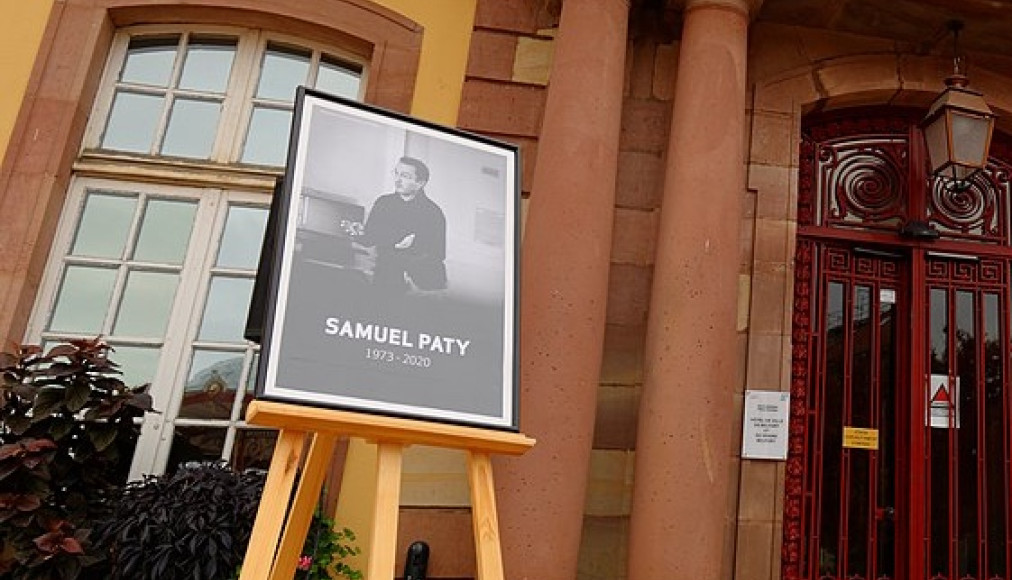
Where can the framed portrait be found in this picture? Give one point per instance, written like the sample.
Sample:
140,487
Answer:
391,283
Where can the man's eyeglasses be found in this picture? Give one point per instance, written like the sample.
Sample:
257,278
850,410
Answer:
405,175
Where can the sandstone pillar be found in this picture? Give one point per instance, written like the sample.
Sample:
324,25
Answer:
564,277
681,516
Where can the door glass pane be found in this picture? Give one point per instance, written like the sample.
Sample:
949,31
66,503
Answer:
105,225
994,445
267,139
965,466
939,333
149,61
195,444
133,122
283,70
831,432
860,484
888,424
147,302
243,237
937,503
192,128
337,79
212,384
165,232
253,448
137,363
83,300
207,65
225,312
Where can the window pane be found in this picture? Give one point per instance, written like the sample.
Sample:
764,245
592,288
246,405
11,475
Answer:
193,126
149,61
105,224
208,64
138,363
226,308
83,300
133,122
267,140
283,70
212,384
244,234
337,79
969,138
165,231
147,301
253,448
195,444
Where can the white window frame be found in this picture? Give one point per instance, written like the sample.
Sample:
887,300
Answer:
167,384
264,40
239,96
214,184
206,271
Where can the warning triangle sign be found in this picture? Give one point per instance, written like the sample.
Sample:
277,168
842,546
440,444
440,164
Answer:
941,396
943,405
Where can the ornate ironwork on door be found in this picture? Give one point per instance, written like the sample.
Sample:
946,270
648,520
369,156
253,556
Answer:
840,509
856,174
965,431
907,339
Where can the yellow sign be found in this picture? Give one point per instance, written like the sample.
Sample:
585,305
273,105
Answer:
859,438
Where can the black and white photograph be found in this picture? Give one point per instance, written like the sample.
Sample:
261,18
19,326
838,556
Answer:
394,273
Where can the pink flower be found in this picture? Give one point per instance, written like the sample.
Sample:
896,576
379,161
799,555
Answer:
305,562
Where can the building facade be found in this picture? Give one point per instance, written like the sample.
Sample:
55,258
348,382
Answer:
718,197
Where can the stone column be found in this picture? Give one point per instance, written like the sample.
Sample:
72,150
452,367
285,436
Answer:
682,509
564,277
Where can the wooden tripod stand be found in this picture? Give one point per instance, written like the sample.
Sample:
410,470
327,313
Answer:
276,542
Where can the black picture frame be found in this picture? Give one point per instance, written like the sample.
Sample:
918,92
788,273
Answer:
256,318
381,289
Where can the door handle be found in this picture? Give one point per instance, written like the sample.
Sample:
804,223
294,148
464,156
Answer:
885,513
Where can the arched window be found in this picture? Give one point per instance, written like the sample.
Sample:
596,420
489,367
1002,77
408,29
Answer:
158,241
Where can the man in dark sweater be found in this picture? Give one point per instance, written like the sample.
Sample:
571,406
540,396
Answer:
408,231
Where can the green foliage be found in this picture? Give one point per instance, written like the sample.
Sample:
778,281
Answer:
67,435
326,550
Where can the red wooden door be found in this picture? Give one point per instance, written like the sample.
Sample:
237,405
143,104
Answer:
907,338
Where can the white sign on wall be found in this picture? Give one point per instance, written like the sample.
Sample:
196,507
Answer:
764,433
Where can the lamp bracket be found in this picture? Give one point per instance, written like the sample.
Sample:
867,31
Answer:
919,230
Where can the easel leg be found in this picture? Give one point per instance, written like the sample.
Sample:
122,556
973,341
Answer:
383,543
301,514
484,518
271,514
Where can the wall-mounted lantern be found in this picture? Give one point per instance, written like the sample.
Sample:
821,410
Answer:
958,126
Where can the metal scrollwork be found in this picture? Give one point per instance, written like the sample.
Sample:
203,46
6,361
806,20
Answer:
971,210
862,183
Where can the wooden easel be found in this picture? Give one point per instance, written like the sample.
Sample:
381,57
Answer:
267,559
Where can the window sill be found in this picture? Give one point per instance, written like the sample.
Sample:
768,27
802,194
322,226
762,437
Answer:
176,171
